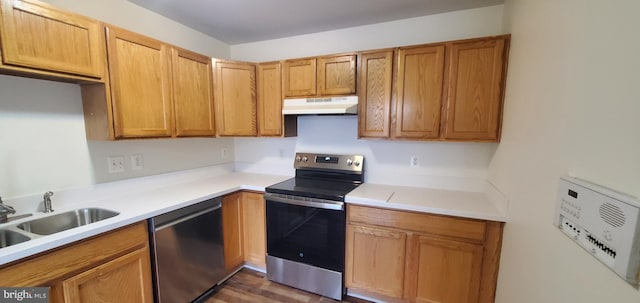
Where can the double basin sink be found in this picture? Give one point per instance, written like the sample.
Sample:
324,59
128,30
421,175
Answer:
52,224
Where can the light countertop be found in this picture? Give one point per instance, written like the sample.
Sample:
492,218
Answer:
476,205
142,198
133,204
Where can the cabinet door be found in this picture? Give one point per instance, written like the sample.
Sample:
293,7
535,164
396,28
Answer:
125,279
418,96
235,95
337,75
254,229
269,99
37,35
299,77
139,70
375,260
192,94
474,89
442,270
374,94
232,231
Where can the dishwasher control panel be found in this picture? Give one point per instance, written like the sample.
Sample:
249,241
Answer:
603,222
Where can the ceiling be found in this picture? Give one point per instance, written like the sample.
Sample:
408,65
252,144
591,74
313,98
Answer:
242,21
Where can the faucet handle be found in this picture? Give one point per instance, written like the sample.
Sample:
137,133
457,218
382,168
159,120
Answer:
48,194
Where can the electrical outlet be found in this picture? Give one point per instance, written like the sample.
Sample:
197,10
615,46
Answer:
137,162
115,164
223,153
414,161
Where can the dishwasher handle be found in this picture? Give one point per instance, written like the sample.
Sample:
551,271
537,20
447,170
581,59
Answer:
183,214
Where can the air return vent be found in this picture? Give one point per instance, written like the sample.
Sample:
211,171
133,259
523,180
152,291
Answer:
612,214
603,222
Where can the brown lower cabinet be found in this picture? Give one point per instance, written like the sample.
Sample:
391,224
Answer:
244,231
112,267
232,231
254,232
400,256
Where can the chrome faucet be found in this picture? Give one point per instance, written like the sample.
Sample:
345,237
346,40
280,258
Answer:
5,210
47,202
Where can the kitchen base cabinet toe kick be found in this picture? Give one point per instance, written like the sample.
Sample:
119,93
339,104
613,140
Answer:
400,256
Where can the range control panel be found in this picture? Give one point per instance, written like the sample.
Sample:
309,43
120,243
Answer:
603,222
348,163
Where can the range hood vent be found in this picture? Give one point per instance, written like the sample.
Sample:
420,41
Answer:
345,105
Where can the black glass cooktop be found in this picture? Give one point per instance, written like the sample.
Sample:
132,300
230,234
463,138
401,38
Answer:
314,188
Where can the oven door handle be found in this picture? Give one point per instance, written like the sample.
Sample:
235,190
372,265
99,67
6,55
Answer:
311,202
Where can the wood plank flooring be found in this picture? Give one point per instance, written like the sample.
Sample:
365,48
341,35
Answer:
248,286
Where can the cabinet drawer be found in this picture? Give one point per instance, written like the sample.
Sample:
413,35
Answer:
418,222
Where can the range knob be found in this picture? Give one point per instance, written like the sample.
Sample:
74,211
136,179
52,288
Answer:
349,162
357,163
305,159
298,159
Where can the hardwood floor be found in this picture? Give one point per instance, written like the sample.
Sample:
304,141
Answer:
251,286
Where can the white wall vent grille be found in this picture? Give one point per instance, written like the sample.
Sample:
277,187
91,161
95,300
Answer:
612,214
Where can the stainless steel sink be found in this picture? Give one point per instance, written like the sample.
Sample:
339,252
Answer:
8,238
68,220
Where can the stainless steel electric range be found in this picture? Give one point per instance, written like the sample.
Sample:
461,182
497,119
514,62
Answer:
306,222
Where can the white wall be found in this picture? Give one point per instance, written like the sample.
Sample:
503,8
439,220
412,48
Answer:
449,165
572,106
42,141
477,22
453,165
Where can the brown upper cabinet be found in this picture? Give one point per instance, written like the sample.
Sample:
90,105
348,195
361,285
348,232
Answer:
269,84
153,90
299,77
443,91
192,93
337,75
418,96
375,78
271,122
140,76
321,76
235,95
40,40
475,89
137,87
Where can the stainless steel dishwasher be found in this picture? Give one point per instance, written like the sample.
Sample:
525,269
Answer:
188,251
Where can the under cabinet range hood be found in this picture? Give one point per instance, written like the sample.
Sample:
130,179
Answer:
345,105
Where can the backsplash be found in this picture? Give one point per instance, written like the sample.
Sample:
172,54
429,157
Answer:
448,165
44,147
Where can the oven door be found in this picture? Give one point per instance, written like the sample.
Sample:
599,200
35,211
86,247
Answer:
307,231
